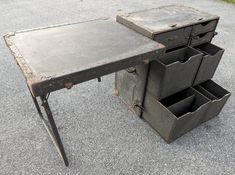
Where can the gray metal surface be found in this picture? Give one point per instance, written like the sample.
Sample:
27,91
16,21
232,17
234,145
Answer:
61,56
210,62
174,39
175,71
130,86
218,97
176,115
167,18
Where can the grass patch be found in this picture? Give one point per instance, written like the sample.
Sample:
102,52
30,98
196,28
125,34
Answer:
231,1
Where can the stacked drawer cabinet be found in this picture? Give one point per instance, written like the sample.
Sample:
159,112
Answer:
175,93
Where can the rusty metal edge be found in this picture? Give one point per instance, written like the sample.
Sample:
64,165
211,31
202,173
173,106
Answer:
28,74
58,82
37,83
60,25
31,79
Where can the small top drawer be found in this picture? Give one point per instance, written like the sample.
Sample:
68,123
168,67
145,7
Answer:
204,27
175,38
201,38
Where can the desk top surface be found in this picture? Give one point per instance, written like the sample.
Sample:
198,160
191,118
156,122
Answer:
46,54
166,18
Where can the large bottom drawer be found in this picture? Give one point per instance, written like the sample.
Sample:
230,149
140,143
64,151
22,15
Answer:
177,114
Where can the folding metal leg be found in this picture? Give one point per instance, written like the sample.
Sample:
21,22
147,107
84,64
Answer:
51,126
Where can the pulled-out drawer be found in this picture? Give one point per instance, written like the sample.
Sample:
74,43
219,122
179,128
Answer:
176,115
218,97
173,72
204,27
210,61
130,86
201,38
174,39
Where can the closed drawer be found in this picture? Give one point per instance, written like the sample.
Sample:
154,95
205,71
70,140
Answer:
204,27
175,38
201,38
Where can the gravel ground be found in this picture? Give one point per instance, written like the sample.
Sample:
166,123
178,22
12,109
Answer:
100,134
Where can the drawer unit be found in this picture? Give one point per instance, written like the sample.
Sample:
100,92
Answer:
218,97
174,93
174,116
210,61
173,72
172,25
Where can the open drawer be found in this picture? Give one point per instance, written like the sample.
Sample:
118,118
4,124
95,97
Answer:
173,72
210,61
175,115
218,97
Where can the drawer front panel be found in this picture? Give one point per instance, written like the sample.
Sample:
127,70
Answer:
204,27
201,39
173,39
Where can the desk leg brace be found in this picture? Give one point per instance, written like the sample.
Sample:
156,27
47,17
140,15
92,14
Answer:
51,126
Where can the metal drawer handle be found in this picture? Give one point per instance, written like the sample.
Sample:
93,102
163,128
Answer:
200,36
